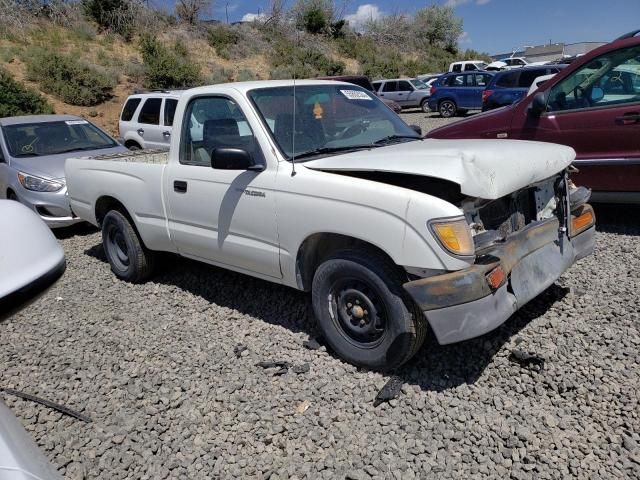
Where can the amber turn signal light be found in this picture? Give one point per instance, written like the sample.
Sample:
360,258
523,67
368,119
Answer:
455,236
582,220
496,277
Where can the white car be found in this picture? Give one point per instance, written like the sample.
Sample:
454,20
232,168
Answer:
467,65
538,81
507,64
317,185
146,120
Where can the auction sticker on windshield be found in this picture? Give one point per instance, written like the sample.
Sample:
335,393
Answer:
355,95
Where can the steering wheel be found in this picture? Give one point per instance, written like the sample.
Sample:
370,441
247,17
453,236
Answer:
580,94
354,130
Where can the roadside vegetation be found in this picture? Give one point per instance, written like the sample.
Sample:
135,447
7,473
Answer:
15,99
90,53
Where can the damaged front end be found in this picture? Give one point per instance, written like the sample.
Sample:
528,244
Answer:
523,243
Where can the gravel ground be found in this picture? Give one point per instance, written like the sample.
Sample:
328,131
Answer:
154,366
429,121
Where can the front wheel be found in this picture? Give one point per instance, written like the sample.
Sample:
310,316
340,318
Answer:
363,312
447,109
425,106
128,257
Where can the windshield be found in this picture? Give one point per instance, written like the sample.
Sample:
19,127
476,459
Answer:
481,65
419,84
52,138
328,119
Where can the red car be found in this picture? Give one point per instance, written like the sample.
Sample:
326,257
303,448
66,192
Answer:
593,105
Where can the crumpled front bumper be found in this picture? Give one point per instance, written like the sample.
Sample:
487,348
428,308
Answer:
462,304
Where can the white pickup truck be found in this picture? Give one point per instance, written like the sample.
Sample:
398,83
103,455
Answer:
317,185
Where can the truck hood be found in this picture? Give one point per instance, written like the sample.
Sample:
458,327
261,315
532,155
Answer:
52,166
487,169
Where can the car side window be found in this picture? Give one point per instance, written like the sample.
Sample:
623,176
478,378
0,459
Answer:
469,67
528,76
458,81
610,79
170,105
150,112
457,68
508,80
390,87
404,86
129,109
210,123
482,80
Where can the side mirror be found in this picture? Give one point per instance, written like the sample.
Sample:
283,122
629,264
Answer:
416,128
538,105
597,94
233,159
32,259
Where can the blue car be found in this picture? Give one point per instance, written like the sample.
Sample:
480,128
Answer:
455,93
511,86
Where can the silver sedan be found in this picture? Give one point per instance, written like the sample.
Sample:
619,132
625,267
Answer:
33,150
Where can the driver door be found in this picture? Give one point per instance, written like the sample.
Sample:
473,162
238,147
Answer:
223,216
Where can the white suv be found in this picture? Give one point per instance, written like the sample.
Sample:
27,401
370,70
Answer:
147,118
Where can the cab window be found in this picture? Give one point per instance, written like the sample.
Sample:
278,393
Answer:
170,105
129,109
214,122
390,87
404,86
611,79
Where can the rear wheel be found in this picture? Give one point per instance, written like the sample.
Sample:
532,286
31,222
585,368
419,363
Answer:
130,260
363,311
447,109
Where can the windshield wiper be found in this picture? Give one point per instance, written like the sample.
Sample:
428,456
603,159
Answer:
391,138
69,150
324,150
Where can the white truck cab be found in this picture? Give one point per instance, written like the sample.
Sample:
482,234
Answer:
467,65
319,186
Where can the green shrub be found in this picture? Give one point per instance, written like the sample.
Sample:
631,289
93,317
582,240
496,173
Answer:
68,78
166,67
314,20
221,37
15,99
114,15
245,75
289,59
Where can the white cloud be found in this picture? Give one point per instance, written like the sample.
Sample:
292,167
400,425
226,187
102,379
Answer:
252,17
364,14
464,39
457,3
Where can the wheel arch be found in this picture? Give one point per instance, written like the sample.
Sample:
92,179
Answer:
319,246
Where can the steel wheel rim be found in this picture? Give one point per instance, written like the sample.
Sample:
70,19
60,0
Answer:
358,312
117,248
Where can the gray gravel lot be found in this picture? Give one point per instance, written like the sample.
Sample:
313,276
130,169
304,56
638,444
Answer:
154,366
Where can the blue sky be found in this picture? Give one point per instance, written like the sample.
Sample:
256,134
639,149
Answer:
494,26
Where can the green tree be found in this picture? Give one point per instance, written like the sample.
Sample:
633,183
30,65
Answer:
438,25
15,99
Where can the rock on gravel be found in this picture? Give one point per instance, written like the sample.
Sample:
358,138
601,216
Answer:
156,368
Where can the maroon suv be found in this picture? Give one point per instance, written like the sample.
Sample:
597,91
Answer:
593,105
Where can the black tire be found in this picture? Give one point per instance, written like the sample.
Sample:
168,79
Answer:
424,105
447,108
133,146
12,196
363,312
130,260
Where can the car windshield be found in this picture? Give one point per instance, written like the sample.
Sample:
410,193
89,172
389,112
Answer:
328,119
481,65
52,138
419,84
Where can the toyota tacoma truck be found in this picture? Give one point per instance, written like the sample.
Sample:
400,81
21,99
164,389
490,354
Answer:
317,185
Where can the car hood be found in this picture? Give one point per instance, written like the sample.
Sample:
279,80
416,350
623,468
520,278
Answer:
52,166
487,169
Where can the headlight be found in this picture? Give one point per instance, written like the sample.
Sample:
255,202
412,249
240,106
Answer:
454,235
37,184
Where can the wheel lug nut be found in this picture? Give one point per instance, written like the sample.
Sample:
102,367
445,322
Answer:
357,302
365,312
362,323
349,305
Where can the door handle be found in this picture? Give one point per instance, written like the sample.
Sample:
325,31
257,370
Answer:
166,134
140,132
628,118
382,94
180,186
